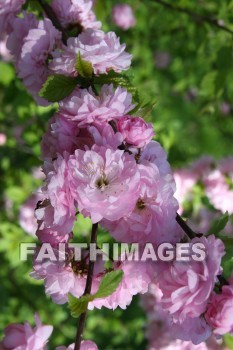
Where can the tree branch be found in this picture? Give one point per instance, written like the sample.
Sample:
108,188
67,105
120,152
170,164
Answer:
189,232
52,16
83,316
195,16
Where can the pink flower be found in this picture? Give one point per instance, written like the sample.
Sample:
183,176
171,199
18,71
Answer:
85,345
58,211
155,154
4,52
76,13
37,46
104,182
24,337
60,279
20,29
3,139
9,9
218,190
136,279
104,135
186,286
27,218
219,314
85,108
203,166
185,180
192,329
123,16
135,131
153,216
63,135
101,49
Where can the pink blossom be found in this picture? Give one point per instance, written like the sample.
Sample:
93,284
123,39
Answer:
69,276
60,279
37,47
123,16
63,135
219,314
27,218
101,49
135,131
4,52
76,13
85,345
20,29
104,135
192,329
153,217
186,286
155,154
218,190
3,139
57,212
136,279
202,166
185,180
9,9
85,108
104,182
24,337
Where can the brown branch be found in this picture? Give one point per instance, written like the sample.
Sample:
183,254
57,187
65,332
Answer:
83,316
195,16
52,16
189,232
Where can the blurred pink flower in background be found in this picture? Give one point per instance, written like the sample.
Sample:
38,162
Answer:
24,337
162,59
123,16
27,218
3,139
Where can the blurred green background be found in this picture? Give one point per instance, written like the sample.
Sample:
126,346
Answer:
182,65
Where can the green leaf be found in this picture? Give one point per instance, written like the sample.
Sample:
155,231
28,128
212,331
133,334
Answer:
57,87
219,224
84,68
228,340
117,80
77,306
146,109
109,283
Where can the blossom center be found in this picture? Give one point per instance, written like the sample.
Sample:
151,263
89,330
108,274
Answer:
102,182
141,204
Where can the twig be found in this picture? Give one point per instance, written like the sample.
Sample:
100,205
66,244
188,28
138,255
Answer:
189,232
52,16
195,16
83,316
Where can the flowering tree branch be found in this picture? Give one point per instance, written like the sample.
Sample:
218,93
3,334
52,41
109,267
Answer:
52,16
195,16
189,232
83,316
